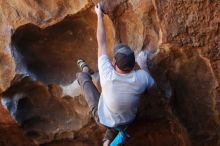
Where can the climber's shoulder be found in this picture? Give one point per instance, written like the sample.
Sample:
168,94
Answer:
145,77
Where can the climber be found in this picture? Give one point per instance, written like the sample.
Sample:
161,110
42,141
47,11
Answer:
121,85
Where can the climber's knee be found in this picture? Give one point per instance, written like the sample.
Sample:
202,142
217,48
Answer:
83,77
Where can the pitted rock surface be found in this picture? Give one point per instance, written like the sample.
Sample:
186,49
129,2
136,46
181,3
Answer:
43,39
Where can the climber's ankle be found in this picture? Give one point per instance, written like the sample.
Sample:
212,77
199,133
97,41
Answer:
106,143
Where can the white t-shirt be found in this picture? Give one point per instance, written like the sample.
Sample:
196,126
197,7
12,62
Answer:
119,99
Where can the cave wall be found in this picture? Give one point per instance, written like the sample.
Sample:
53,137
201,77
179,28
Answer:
43,112
58,47
11,133
16,13
183,38
191,36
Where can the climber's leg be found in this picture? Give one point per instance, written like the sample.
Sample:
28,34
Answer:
89,90
109,135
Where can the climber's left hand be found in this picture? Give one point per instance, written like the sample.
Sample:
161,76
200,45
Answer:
98,10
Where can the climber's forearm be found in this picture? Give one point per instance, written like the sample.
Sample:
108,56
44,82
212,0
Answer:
141,59
101,36
144,67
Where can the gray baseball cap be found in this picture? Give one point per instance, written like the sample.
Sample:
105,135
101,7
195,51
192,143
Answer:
124,56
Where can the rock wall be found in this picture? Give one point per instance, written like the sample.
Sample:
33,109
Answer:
11,133
17,13
182,37
191,36
42,111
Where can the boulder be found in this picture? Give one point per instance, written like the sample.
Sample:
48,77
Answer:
43,40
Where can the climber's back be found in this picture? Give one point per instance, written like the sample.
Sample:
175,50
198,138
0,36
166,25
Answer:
120,88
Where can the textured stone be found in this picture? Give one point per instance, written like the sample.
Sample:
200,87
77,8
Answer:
183,39
11,133
193,85
43,116
16,13
193,22
58,47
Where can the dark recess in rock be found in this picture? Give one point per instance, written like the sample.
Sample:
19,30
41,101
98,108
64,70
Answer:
51,54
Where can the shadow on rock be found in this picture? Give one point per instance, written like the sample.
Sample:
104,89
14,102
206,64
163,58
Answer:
42,112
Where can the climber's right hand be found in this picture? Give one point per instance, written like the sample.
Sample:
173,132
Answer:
98,10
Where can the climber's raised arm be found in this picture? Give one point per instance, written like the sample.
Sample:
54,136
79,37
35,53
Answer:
101,36
141,59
